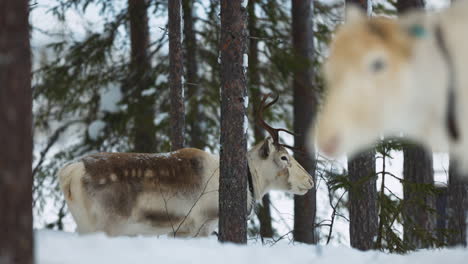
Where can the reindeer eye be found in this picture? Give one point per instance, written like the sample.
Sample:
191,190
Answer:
284,158
378,65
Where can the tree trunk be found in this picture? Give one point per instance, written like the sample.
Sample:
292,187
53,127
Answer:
233,160
360,3
417,216
194,91
16,236
305,107
263,213
456,213
363,216
441,212
417,171
405,5
142,107
175,76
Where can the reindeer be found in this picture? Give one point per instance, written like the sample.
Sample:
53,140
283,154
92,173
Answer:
173,193
387,77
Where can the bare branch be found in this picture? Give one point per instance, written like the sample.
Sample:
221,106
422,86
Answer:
52,140
196,201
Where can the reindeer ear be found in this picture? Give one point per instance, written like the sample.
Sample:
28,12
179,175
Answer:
264,150
354,13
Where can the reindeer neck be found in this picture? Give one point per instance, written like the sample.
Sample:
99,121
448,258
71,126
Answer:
258,184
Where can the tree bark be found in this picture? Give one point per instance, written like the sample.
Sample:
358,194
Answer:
16,236
263,213
233,160
305,106
363,215
142,106
441,212
417,216
175,76
456,213
194,90
417,171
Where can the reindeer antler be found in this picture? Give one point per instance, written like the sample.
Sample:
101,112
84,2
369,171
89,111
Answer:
274,132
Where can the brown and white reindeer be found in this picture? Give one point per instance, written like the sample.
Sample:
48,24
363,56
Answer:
173,193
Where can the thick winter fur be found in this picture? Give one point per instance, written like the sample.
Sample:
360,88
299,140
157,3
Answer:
386,77
174,193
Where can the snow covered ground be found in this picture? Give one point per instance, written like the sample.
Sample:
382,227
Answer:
67,248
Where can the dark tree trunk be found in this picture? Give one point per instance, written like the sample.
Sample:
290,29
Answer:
363,215
175,76
405,5
233,160
194,90
263,213
456,213
16,236
361,3
264,216
441,211
305,106
417,216
142,107
418,171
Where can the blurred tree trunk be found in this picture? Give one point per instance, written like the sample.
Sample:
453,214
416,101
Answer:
305,99
194,91
417,171
142,107
363,196
360,3
456,213
441,212
233,160
16,236
263,213
175,76
405,5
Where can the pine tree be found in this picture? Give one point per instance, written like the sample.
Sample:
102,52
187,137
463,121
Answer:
144,111
441,214
175,76
193,87
456,212
363,194
16,236
264,214
419,204
305,99
233,159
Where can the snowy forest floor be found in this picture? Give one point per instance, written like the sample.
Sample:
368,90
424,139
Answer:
53,247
